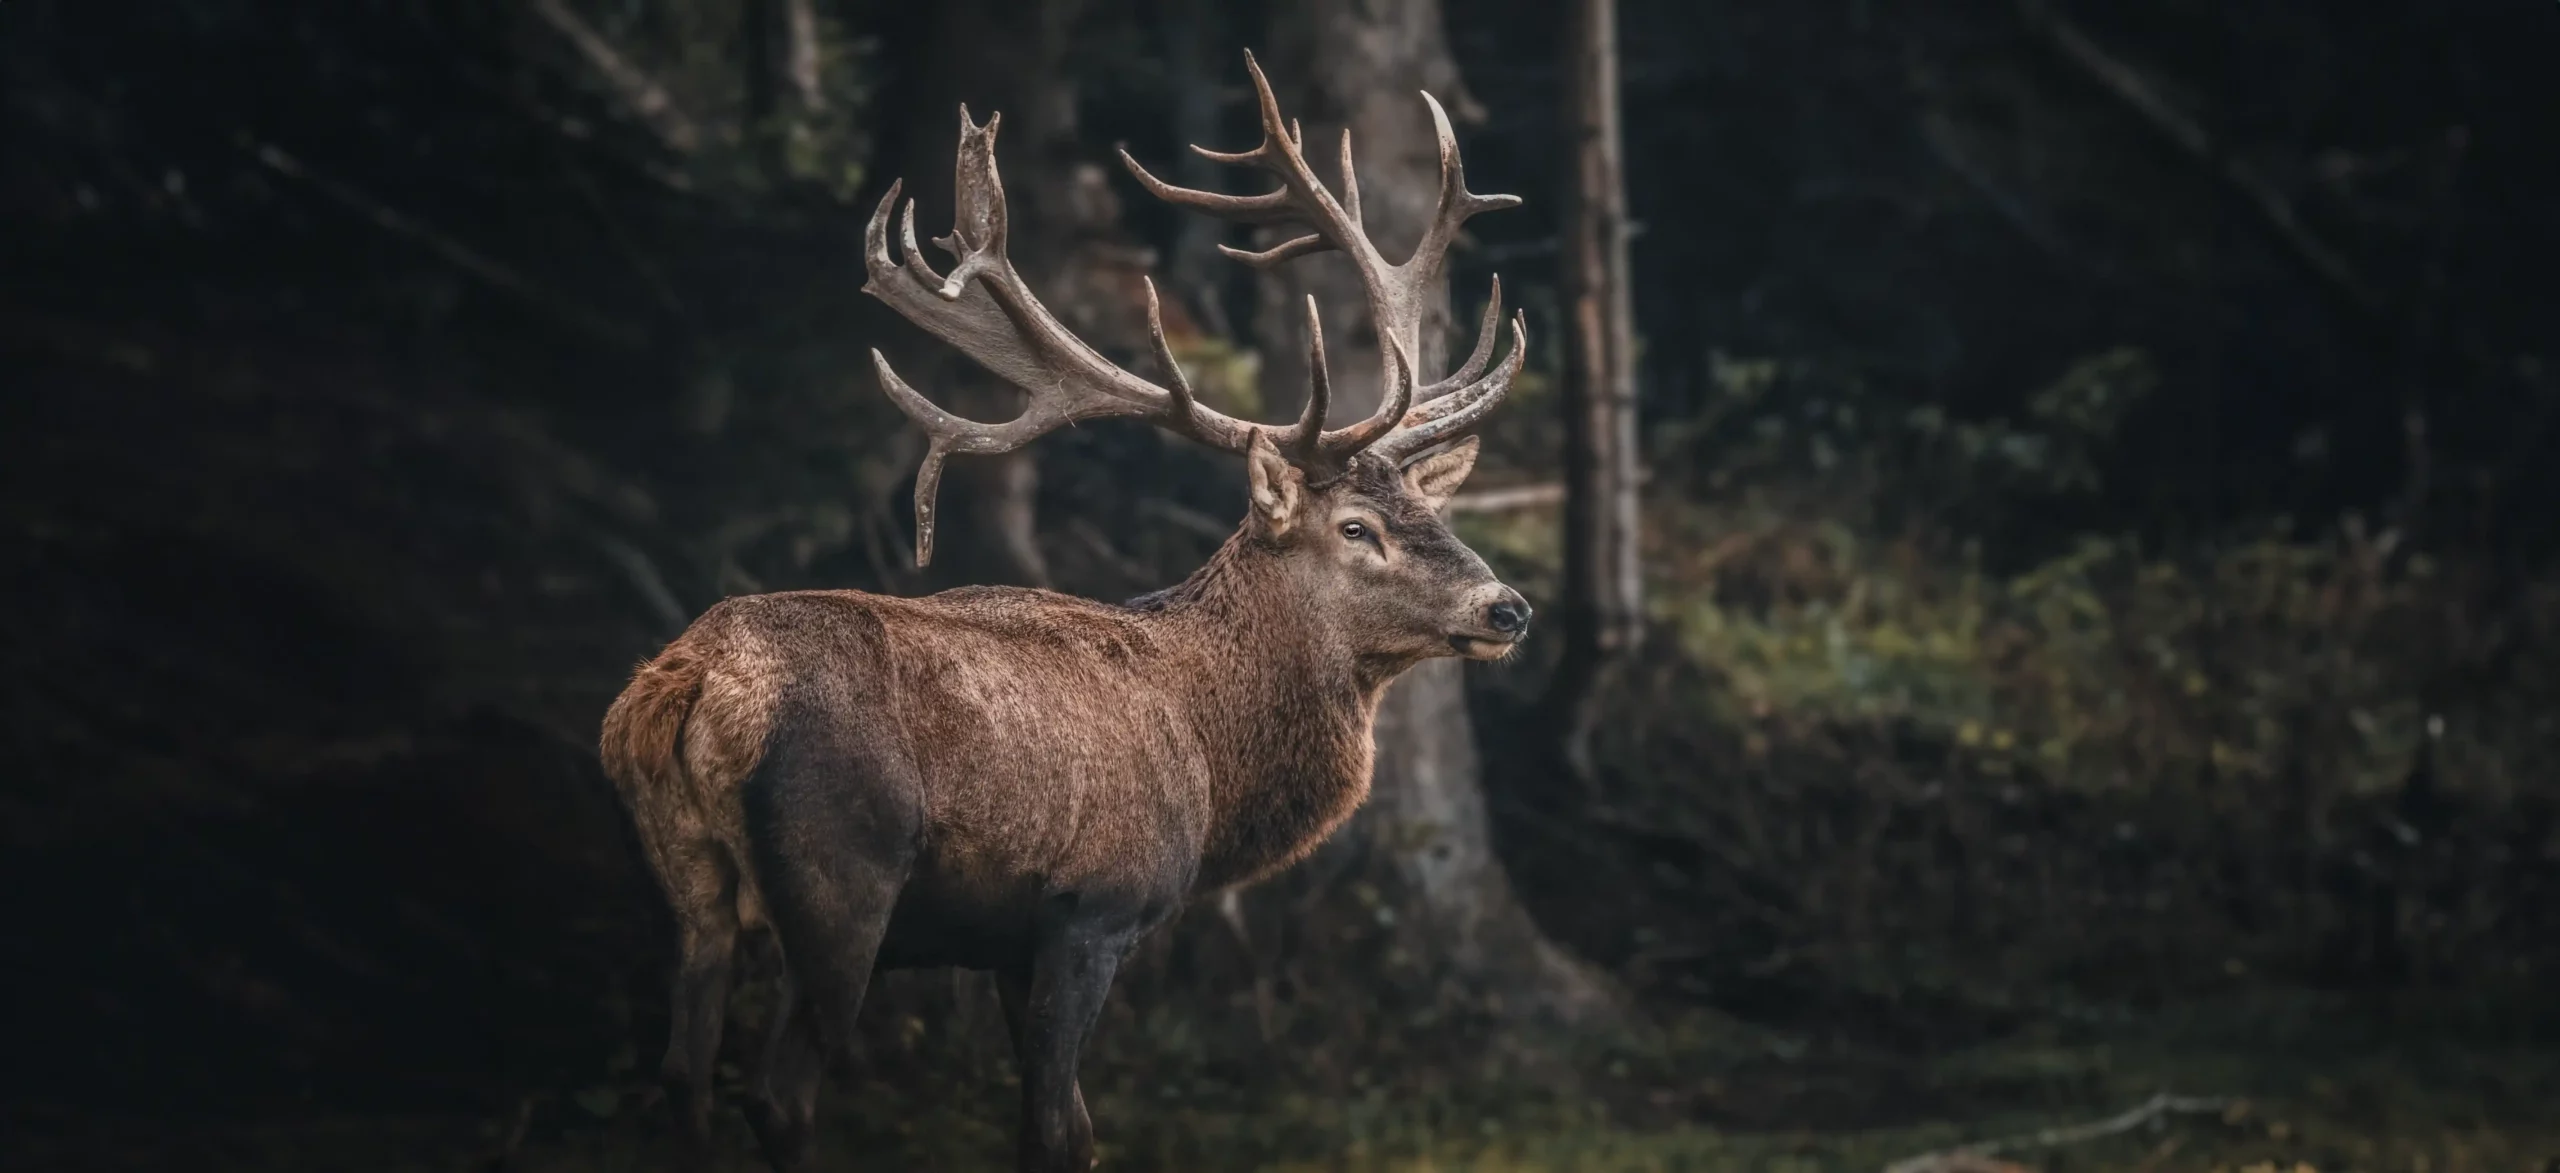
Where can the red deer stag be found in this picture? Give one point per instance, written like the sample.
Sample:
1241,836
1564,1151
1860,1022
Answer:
1026,782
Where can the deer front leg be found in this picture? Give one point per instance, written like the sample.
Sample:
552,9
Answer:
1051,1011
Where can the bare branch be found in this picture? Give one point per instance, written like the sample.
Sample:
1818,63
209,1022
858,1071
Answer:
647,100
496,274
646,582
1539,496
1184,517
2136,91
1531,496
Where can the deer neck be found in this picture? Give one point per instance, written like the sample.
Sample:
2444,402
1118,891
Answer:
1282,705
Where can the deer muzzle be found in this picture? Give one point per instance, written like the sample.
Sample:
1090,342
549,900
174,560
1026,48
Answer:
1498,619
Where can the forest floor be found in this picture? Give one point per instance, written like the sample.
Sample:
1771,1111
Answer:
2323,1102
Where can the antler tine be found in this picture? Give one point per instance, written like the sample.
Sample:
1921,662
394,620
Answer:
979,218
1176,383
1343,443
1456,204
1268,208
1306,439
1467,397
1301,198
1350,182
984,310
1287,250
1487,332
1461,412
947,433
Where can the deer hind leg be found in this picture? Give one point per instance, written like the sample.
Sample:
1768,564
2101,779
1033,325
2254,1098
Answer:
701,888
833,827
1051,1011
784,1106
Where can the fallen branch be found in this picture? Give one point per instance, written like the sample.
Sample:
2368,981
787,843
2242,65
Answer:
1971,1157
2136,91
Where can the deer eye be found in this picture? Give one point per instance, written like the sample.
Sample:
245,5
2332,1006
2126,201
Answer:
1355,531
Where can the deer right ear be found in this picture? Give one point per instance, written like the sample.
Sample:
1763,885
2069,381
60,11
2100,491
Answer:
1276,483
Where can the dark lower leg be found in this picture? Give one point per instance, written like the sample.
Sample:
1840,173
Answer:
784,1108
699,1011
1013,986
1054,1014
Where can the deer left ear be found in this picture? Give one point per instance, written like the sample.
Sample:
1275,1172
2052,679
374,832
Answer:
1436,478
1275,484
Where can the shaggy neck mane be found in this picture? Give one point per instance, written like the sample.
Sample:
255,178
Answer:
1281,702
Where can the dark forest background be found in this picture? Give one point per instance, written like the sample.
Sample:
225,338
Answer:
2098,549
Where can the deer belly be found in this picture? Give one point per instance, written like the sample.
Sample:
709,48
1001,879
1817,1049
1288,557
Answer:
981,905
961,912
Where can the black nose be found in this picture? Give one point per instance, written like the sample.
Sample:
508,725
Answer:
1509,616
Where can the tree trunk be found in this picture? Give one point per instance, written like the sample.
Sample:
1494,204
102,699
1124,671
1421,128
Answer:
800,54
1425,837
1196,48
1603,592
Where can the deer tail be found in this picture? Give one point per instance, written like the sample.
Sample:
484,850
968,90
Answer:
644,730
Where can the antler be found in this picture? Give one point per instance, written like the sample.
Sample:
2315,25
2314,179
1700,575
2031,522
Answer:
1398,294
985,310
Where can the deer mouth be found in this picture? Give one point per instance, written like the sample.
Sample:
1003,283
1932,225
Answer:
1483,647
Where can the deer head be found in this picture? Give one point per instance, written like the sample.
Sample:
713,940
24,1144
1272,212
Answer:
1355,510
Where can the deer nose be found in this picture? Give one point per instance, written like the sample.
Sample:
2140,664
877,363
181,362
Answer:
1509,616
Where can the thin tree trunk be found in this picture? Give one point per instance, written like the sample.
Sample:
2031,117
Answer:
1195,50
782,55
1603,591
763,89
1425,835
800,54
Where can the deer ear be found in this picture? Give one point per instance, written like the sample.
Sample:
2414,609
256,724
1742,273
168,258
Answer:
1435,479
1276,483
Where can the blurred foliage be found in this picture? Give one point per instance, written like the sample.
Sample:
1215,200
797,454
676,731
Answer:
2098,667
1225,374
1887,750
